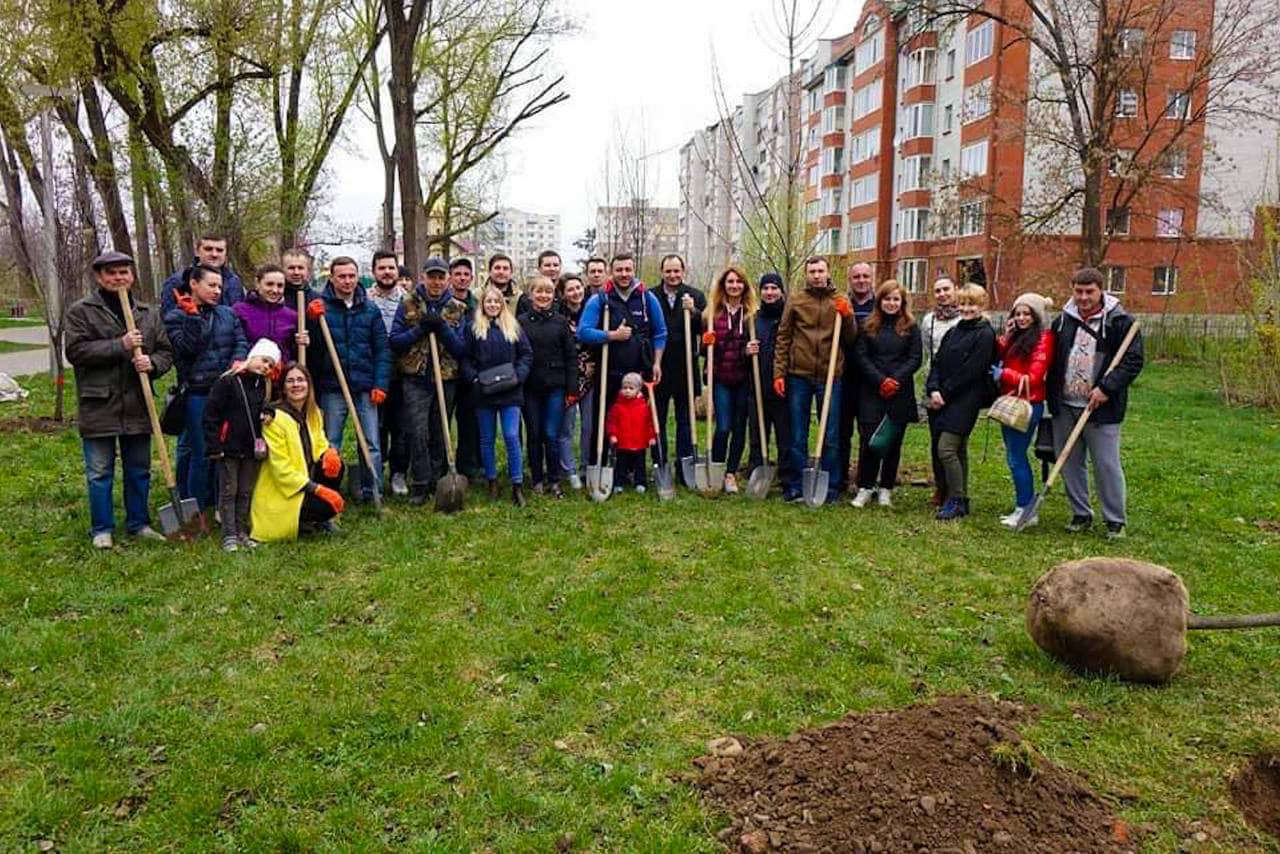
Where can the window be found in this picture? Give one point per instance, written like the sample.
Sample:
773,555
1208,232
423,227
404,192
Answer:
862,235
915,173
1130,41
920,67
868,53
1178,106
832,161
978,42
829,243
813,176
1182,44
912,273
811,211
1115,280
833,79
1165,281
864,190
815,101
914,224
1118,221
833,119
832,198
944,173
1174,163
973,160
866,145
971,218
951,63
1121,163
1169,222
918,121
948,118
977,100
1127,104
867,99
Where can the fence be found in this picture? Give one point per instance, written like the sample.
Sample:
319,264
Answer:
1191,336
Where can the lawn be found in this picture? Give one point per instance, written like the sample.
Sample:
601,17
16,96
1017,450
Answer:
20,322
497,679
18,347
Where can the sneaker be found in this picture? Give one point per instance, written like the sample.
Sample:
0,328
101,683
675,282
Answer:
146,532
617,490
884,497
538,488
640,488
792,497
398,485
103,540
862,499
248,542
419,498
575,482
952,509
555,491
1115,531
1079,524
230,544
730,484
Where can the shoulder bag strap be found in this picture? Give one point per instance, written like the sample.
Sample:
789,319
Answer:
253,428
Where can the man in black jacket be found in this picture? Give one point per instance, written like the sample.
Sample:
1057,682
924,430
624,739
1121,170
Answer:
1086,337
676,297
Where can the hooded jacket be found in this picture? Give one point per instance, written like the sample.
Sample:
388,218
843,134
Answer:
274,321
630,422
205,344
642,311
960,372
555,353
804,335
359,336
767,319
1114,325
233,415
1034,366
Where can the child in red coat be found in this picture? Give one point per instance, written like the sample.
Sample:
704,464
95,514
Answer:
629,427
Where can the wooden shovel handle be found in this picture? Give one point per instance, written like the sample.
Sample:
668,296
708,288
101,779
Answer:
826,394
604,386
346,395
755,380
302,325
169,480
1243,621
444,410
688,373
711,395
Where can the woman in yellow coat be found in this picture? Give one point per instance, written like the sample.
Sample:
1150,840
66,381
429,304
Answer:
297,485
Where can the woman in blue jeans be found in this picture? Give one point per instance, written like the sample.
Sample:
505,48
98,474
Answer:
552,375
1026,351
579,401
731,308
493,339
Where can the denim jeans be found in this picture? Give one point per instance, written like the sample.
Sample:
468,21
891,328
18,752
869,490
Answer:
198,483
543,414
99,475
803,394
665,398
731,425
582,409
334,410
487,418
1015,448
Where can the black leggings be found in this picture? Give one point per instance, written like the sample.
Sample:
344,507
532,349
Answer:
316,511
873,466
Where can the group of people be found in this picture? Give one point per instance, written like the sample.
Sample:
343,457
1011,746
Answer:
598,357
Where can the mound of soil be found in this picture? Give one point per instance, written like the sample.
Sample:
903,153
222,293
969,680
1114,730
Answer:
953,776
1255,790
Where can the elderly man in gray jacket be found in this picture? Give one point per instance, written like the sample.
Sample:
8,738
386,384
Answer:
112,411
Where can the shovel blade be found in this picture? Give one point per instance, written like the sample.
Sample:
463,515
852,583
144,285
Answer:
593,479
761,480
606,482
715,477
815,486
1028,513
450,492
169,523
666,482
688,469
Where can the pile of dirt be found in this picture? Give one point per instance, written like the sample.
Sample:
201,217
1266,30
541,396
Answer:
1255,790
954,776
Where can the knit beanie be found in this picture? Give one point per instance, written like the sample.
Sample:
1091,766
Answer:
1038,304
265,347
632,380
772,279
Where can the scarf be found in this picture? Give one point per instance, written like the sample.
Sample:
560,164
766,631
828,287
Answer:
946,312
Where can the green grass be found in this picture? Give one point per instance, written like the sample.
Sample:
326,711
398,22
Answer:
498,678
20,322
18,347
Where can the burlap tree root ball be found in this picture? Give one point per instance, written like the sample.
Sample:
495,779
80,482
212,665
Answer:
1113,616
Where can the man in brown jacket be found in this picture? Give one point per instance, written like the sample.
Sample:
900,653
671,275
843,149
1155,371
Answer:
109,393
805,337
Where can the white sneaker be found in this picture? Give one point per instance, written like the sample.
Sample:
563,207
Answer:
398,486
640,488
1010,519
146,532
230,544
575,482
103,540
884,497
862,499
730,484
1030,523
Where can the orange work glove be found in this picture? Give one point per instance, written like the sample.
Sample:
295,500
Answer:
331,497
378,396
330,462
780,386
843,307
315,309
708,339
187,303
888,388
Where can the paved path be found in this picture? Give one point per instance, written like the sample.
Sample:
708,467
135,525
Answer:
26,361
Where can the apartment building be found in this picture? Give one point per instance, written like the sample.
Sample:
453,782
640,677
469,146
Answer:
520,234
639,227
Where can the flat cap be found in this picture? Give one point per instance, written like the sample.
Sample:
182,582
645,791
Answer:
110,259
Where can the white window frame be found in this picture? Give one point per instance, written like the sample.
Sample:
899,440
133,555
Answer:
948,118
951,63
979,43
1126,104
862,235
1115,279
977,101
1130,41
1120,163
915,173
1174,163
969,158
865,145
833,79
1166,284
868,99
1169,222
811,208
972,218
833,119
1119,216
1182,44
832,201
833,160
1178,105
918,120
813,176
912,273
864,190
922,67
913,225
867,54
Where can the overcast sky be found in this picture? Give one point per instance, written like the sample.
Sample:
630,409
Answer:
647,67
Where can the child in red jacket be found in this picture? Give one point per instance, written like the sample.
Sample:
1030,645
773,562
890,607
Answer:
629,427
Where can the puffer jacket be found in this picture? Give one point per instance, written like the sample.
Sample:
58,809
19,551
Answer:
961,372
412,345
630,422
232,288
1115,325
205,344
766,321
108,389
359,336
732,364
275,321
804,335
883,355
555,356
233,415
494,349
1034,366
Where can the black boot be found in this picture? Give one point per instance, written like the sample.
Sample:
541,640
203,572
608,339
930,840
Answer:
517,495
493,489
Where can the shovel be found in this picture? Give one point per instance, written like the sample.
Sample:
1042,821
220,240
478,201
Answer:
662,474
816,479
712,473
302,324
1032,511
450,488
351,408
181,518
693,468
762,475
600,475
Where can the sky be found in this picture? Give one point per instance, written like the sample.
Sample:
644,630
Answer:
643,68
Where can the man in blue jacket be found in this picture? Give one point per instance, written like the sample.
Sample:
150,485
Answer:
636,335
211,252
360,338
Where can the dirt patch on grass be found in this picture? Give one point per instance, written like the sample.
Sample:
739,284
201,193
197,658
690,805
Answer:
1255,790
33,424
952,776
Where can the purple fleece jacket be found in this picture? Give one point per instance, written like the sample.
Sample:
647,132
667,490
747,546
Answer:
262,319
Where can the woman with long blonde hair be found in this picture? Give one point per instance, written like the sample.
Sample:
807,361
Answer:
731,307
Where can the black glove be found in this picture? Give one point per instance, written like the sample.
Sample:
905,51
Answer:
431,322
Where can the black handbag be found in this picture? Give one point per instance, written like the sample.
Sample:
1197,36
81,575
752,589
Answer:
173,418
497,379
1044,441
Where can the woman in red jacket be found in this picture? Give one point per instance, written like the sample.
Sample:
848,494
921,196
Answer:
1025,350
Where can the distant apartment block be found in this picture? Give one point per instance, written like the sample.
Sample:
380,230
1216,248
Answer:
520,234
639,228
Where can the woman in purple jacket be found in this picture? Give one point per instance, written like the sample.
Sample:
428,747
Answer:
264,313
731,308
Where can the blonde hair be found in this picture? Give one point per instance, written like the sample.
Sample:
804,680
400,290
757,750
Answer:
904,321
535,282
972,294
716,299
505,321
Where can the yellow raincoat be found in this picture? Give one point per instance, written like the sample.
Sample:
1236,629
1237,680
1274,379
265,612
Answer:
278,494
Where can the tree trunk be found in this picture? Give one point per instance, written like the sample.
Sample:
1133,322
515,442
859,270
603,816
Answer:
404,25
14,214
138,189
105,176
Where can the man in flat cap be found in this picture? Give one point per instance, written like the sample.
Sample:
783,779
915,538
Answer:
112,411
